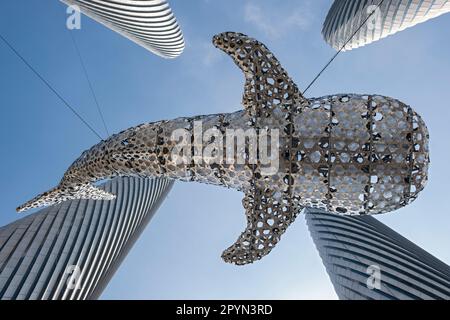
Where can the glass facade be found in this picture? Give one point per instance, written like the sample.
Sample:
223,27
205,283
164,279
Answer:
149,23
346,16
366,260
71,250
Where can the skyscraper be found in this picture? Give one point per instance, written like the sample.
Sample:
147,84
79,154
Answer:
149,23
366,260
71,250
346,16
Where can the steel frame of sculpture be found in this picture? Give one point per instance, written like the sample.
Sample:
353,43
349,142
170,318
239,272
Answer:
348,154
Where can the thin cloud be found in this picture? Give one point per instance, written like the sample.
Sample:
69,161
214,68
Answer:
212,54
203,53
276,25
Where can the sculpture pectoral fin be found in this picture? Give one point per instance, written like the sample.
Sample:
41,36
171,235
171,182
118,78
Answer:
267,220
267,84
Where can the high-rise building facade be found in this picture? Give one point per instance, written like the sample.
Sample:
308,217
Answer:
70,251
367,260
347,16
149,23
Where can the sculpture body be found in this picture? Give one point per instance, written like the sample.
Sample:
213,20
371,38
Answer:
348,154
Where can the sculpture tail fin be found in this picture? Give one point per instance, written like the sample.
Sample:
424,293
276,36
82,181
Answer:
64,193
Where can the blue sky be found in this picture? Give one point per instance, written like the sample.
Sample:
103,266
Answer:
178,256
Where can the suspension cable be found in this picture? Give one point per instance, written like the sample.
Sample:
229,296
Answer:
17,53
342,48
91,88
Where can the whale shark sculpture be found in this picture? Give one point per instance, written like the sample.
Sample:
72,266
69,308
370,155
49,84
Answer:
348,154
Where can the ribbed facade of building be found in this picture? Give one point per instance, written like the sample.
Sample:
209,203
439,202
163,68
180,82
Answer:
346,16
366,260
71,250
149,23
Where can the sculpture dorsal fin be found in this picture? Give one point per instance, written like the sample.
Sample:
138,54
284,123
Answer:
267,85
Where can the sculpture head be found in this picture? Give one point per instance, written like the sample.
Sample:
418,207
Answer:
359,154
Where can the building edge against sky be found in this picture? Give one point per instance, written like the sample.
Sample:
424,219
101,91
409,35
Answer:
149,23
346,16
71,250
367,260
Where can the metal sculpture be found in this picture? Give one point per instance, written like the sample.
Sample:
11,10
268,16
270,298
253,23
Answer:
347,154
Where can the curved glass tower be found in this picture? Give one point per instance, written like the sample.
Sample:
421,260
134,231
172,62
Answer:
149,23
366,260
346,16
71,250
